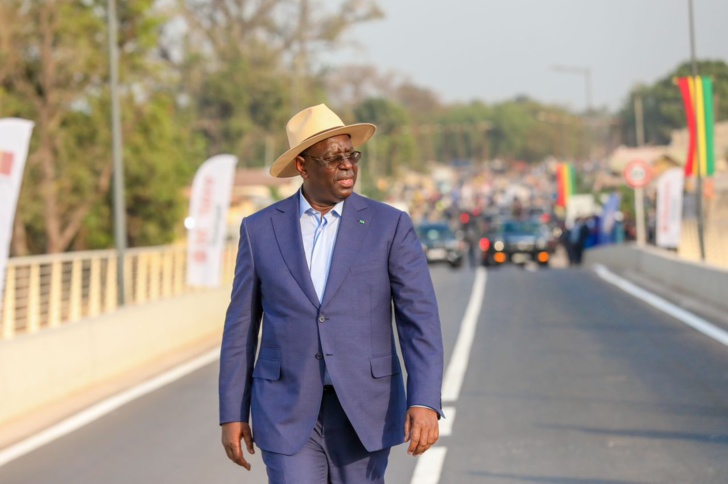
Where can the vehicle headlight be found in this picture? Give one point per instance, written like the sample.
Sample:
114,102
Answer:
498,245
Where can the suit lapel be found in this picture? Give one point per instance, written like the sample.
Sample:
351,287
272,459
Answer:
287,228
353,227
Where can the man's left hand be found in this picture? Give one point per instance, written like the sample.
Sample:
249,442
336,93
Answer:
421,429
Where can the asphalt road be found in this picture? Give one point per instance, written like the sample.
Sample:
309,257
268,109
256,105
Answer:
570,381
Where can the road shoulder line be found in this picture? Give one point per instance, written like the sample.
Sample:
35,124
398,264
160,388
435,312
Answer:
429,466
663,305
458,365
104,407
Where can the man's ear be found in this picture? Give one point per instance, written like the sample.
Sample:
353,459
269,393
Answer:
301,166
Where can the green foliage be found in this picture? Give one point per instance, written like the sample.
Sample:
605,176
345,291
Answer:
63,86
234,104
246,67
161,153
393,146
519,129
52,73
626,204
462,132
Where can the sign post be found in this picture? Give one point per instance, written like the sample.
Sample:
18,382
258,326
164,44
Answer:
638,174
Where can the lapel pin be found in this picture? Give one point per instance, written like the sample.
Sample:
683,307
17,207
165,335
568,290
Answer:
362,222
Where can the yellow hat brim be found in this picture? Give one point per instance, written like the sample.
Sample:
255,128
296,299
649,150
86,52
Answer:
284,167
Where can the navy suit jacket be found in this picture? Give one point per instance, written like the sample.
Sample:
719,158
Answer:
378,267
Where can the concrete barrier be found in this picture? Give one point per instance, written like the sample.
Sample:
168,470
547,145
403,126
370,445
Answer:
45,367
701,281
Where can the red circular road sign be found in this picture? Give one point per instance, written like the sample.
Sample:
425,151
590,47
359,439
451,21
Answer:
637,173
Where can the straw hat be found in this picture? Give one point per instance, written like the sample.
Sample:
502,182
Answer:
310,126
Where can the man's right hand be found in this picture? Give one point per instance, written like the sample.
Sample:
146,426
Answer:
232,433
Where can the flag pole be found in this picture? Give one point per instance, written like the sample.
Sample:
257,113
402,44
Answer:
698,161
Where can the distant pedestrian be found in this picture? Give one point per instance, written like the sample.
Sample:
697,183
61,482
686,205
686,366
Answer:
564,239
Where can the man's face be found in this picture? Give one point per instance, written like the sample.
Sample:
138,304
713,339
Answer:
325,186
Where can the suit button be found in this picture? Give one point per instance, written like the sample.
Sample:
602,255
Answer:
319,356
322,319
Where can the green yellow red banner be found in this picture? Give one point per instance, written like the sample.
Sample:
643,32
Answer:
697,94
565,183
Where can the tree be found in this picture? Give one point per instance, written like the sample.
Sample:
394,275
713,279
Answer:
422,103
462,131
247,65
520,129
49,62
55,72
394,147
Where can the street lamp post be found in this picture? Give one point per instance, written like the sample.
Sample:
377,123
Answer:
119,205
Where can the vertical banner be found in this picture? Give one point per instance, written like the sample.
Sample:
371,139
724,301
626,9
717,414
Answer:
669,208
14,140
206,223
565,183
579,206
698,99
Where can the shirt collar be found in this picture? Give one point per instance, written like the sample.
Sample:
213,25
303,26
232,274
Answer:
304,206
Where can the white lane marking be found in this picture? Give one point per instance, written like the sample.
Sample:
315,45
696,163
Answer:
100,409
447,422
461,353
673,310
429,466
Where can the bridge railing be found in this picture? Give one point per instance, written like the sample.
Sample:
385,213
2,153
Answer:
46,291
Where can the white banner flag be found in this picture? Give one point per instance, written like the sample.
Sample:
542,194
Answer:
206,224
669,208
14,140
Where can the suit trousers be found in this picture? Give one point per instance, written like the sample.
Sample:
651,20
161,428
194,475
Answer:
332,455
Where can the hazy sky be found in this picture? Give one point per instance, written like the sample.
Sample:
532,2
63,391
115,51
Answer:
497,49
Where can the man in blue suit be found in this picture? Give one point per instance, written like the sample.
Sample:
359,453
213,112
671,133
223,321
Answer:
322,272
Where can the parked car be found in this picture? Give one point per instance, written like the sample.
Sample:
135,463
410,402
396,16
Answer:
441,244
517,241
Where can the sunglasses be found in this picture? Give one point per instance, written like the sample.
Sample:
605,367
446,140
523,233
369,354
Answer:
353,157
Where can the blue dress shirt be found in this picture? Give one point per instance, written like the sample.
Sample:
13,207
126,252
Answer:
319,237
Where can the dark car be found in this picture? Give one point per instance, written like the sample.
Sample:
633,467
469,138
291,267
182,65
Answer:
517,241
440,243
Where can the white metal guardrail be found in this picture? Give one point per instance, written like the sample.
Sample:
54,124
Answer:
46,291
